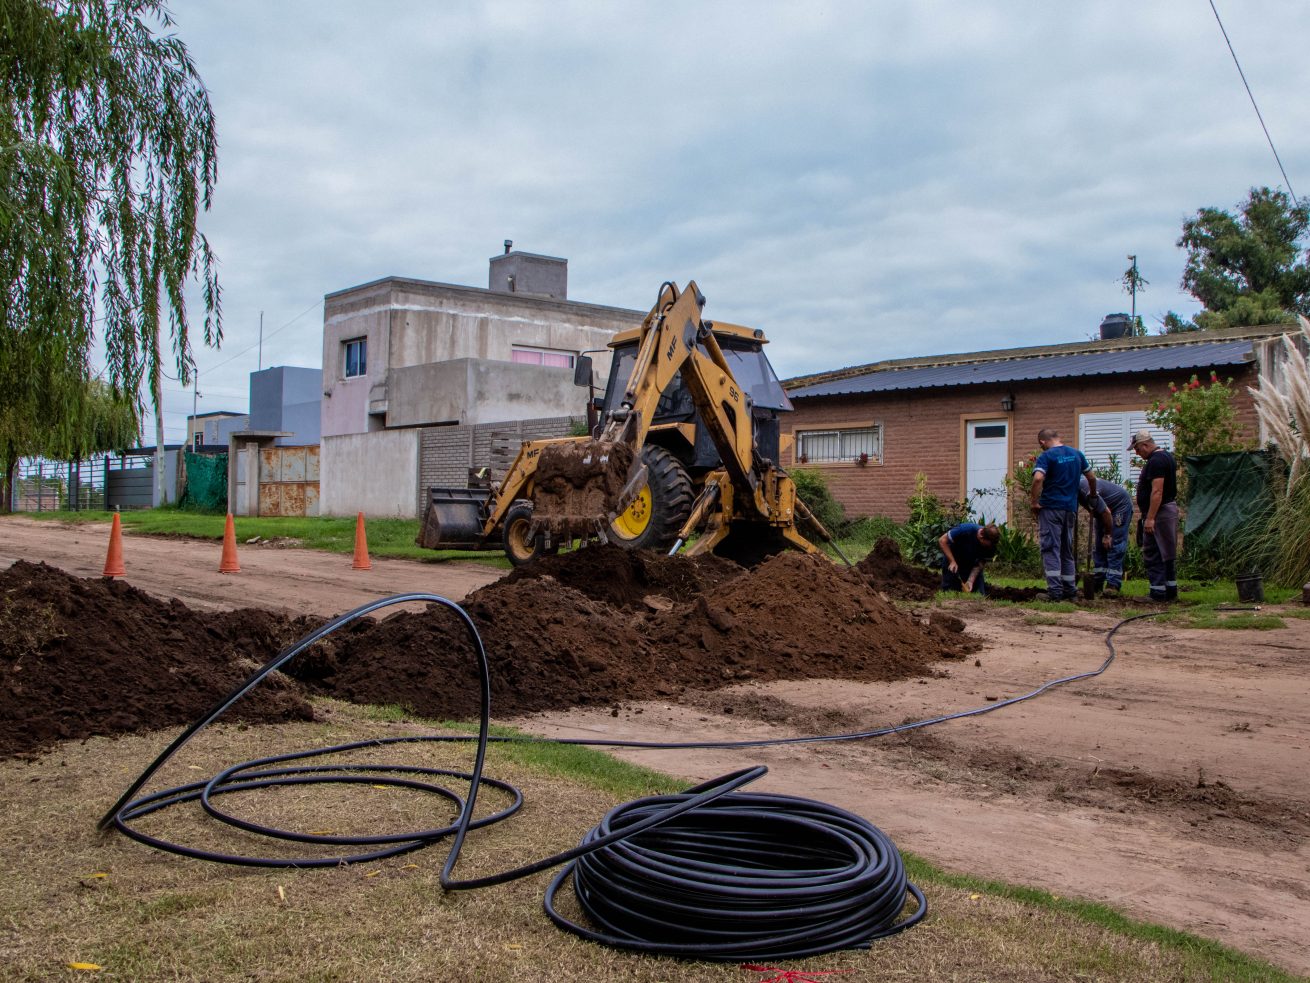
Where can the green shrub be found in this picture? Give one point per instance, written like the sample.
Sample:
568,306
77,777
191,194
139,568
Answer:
1017,553
812,488
929,519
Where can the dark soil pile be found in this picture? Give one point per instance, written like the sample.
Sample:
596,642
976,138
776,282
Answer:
598,626
551,646
1014,593
884,570
625,579
97,656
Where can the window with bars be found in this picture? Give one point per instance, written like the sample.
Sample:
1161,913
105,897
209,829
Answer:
541,356
844,445
356,357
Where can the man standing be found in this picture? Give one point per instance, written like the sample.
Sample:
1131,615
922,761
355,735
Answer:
966,548
1113,507
1157,504
1055,507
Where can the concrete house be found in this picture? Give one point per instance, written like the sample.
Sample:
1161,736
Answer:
422,379
964,419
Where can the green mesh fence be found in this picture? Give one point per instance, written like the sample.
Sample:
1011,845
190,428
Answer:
206,483
1228,501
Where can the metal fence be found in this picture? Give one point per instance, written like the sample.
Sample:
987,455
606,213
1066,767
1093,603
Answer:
101,482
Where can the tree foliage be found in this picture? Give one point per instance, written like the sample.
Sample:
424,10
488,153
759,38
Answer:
1247,268
107,156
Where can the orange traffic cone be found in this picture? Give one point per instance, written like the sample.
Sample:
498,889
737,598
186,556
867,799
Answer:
114,558
229,564
361,546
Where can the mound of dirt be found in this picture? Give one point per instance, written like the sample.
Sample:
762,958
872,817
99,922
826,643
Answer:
552,646
1014,593
885,571
626,579
97,656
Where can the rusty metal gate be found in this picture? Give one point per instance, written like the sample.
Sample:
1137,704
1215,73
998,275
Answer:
288,481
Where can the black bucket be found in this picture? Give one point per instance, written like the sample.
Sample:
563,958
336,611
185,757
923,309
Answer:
1251,588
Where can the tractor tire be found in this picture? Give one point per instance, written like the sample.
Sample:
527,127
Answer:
514,535
654,518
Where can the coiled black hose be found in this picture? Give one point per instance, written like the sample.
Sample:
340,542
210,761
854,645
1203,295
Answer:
806,877
736,876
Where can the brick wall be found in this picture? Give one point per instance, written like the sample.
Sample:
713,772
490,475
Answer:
924,430
446,454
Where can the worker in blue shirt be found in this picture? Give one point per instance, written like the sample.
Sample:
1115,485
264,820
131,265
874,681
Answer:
1113,508
1055,507
965,549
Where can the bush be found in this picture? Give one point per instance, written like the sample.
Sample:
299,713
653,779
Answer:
1017,553
929,519
812,489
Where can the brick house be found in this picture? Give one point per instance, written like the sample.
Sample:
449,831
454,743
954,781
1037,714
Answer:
964,419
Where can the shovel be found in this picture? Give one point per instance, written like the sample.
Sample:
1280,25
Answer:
1089,578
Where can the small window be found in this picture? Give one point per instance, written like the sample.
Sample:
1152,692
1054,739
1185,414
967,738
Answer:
542,356
984,430
831,446
356,359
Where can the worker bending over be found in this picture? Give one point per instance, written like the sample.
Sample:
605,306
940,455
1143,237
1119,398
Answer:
1113,508
965,549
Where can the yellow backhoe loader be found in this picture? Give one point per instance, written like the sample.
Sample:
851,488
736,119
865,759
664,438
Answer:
688,440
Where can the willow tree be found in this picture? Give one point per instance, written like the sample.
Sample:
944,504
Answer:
108,155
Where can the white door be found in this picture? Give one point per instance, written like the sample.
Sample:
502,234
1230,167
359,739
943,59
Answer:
987,457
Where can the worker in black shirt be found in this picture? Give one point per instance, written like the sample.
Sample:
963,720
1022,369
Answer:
1157,504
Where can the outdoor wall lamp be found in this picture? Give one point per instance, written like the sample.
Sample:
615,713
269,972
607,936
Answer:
1007,403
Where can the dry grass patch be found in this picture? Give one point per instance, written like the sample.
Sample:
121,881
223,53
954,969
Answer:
72,895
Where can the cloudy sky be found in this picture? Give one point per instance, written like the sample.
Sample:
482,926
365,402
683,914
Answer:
863,180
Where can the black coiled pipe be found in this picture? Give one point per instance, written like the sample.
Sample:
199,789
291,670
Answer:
707,874
743,877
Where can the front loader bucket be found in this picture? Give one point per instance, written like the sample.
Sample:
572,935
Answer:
454,519
579,486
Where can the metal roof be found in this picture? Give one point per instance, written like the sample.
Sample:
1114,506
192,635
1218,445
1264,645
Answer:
1119,362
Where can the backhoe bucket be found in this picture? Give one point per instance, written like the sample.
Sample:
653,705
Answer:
579,486
454,519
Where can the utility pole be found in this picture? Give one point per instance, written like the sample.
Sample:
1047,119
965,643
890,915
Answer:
1133,284
261,340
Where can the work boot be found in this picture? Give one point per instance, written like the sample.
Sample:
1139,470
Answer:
1111,591
1171,593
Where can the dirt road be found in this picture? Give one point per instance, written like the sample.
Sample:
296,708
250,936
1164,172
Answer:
1175,786
296,580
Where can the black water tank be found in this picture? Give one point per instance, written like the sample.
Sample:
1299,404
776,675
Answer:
1116,326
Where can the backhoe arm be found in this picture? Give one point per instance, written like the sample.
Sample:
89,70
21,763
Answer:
674,338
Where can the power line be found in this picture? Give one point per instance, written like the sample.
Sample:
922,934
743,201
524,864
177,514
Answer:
245,351
1251,95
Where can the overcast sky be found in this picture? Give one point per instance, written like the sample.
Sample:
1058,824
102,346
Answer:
862,180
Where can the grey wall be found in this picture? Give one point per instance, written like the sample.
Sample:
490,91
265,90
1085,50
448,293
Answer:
528,273
477,390
287,397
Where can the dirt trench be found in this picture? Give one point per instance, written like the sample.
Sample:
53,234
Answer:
84,656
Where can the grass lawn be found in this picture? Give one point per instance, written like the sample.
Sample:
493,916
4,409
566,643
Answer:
74,896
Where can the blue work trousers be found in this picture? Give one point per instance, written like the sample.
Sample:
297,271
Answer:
1108,563
1055,533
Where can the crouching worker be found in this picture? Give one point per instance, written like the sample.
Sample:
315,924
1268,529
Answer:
1113,508
964,550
